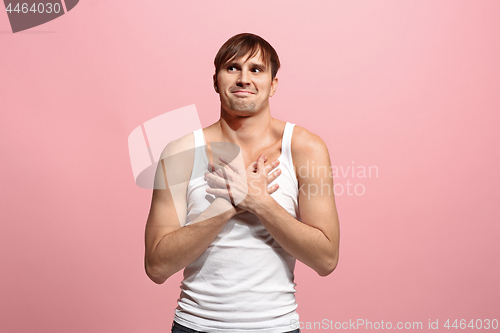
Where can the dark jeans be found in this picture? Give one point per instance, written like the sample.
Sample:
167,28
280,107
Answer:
178,328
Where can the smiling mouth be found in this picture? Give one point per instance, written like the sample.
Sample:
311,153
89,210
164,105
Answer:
243,93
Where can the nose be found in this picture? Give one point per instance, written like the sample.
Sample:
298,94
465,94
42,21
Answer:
243,78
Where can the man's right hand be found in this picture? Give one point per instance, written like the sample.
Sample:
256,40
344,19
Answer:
244,188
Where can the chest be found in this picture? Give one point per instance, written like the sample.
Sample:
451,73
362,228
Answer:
272,153
230,151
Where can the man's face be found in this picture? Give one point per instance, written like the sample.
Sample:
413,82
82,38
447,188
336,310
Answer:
245,86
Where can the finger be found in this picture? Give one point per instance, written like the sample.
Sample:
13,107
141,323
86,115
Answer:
273,188
272,166
218,192
214,180
260,163
210,167
228,164
252,167
230,195
216,169
213,176
273,176
220,171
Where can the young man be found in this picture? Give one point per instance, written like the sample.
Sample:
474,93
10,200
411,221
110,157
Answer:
238,229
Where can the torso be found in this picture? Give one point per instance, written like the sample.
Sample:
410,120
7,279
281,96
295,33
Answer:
226,289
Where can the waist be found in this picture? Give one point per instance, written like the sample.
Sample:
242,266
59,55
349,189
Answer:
246,281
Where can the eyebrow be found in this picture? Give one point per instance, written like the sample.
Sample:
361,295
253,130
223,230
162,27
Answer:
256,64
252,64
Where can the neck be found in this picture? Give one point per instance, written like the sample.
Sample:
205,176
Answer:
245,131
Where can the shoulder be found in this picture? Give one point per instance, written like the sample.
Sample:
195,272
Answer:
308,151
305,143
176,162
180,145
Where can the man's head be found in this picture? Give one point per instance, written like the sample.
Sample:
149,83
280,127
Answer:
248,45
249,63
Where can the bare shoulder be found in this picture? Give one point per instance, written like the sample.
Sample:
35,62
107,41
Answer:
180,145
306,144
175,162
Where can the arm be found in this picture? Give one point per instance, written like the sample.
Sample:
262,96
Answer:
315,240
169,245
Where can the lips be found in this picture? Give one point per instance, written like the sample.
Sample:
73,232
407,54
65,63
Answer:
243,92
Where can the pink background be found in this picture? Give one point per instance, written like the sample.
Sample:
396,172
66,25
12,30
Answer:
411,87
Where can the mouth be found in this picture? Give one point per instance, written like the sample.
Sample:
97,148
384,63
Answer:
243,93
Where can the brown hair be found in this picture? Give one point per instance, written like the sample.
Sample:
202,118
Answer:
243,44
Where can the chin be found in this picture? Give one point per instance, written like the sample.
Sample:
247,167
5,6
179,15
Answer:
238,113
249,109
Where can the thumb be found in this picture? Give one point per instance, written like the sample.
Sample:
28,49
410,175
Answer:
260,162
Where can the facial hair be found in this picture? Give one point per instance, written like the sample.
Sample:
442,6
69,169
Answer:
242,105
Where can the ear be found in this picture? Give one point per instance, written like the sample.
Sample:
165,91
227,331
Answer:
216,83
274,85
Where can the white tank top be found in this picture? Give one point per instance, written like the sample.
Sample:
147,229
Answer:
243,282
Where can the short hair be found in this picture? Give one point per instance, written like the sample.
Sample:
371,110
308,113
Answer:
243,44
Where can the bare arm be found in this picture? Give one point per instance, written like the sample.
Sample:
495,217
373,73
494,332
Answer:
169,245
170,249
315,240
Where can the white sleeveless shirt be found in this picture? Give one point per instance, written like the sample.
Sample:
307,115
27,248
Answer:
243,282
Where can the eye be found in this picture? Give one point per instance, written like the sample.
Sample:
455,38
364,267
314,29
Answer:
232,68
257,70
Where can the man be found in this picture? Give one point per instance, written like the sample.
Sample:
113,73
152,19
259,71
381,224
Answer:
238,229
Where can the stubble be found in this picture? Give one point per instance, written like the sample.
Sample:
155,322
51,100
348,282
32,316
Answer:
242,105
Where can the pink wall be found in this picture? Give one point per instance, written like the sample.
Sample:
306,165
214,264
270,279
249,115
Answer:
409,87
